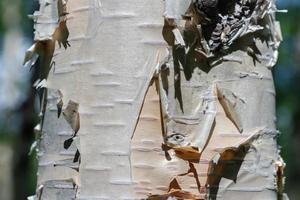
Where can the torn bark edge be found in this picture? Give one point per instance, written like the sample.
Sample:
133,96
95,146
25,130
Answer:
73,163
201,138
236,153
30,56
229,109
76,158
38,193
40,54
59,34
71,115
187,153
193,170
40,189
174,191
69,163
178,11
280,179
59,103
153,79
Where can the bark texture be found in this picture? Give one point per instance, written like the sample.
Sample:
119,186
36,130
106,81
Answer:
159,99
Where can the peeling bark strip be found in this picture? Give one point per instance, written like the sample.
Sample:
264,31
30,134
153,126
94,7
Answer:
229,102
208,105
204,130
55,169
226,165
71,115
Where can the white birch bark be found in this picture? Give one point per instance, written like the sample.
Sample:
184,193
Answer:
118,120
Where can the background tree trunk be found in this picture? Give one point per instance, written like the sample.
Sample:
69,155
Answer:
191,117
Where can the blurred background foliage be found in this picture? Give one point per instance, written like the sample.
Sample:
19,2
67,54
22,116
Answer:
16,107
287,83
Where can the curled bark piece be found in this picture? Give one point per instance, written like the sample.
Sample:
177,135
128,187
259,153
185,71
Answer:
61,34
30,56
71,115
38,129
187,153
167,33
202,135
45,50
229,102
227,166
201,139
174,185
174,192
32,147
279,167
227,163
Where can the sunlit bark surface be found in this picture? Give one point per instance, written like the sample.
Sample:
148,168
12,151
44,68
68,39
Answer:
157,100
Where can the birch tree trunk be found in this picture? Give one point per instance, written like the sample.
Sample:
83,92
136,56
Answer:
160,99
